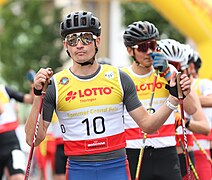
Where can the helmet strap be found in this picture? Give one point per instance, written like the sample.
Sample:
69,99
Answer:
68,53
134,58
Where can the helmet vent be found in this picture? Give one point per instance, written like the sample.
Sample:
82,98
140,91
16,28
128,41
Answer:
84,13
68,23
83,21
93,22
76,20
174,51
169,52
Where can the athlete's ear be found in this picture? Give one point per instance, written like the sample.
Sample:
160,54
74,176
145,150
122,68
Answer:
130,51
98,40
65,44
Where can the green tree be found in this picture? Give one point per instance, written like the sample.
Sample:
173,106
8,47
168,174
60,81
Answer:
29,38
139,11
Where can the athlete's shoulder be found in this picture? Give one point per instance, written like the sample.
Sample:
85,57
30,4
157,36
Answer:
108,67
125,78
62,72
125,69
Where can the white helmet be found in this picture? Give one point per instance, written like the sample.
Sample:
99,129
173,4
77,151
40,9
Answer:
188,55
172,49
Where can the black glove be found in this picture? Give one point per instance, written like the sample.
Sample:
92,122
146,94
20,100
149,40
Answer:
173,90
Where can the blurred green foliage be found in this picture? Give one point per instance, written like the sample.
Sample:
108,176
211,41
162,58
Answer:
140,11
29,39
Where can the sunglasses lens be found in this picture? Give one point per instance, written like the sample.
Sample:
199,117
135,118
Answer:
85,38
72,40
143,47
153,45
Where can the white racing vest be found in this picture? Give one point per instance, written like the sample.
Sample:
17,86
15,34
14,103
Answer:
90,112
165,136
203,87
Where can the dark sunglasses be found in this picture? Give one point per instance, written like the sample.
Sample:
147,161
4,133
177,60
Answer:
85,37
144,46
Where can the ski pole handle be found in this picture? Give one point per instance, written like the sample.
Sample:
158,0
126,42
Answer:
179,90
45,86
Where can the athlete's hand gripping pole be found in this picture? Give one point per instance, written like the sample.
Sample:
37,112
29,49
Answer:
180,98
150,110
36,130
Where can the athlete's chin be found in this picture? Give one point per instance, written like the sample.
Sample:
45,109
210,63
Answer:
148,60
80,55
148,64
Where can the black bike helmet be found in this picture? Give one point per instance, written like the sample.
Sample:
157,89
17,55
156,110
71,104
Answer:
139,31
80,21
197,61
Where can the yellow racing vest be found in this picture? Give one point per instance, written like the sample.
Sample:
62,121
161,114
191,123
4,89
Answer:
163,137
90,111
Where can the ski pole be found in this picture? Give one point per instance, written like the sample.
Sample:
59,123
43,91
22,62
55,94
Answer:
180,98
190,162
35,131
150,109
202,149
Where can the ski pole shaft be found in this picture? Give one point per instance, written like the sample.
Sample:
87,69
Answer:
180,98
35,131
190,162
202,149
137,175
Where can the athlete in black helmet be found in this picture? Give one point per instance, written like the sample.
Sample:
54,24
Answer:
160,160
88,99
78,22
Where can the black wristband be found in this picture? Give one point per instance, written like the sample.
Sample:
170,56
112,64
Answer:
37,92
187,122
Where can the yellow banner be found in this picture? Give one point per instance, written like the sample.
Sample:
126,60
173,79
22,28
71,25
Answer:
2,2
193,18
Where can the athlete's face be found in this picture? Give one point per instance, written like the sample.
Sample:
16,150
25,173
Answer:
142,52
81,46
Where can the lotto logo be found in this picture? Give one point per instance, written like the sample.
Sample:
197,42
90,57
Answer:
89,92
148,86
71,95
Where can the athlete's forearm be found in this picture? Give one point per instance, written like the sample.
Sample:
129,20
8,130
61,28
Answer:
199,122
31,123
150,123
190,102
206,101
200,127
161,115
